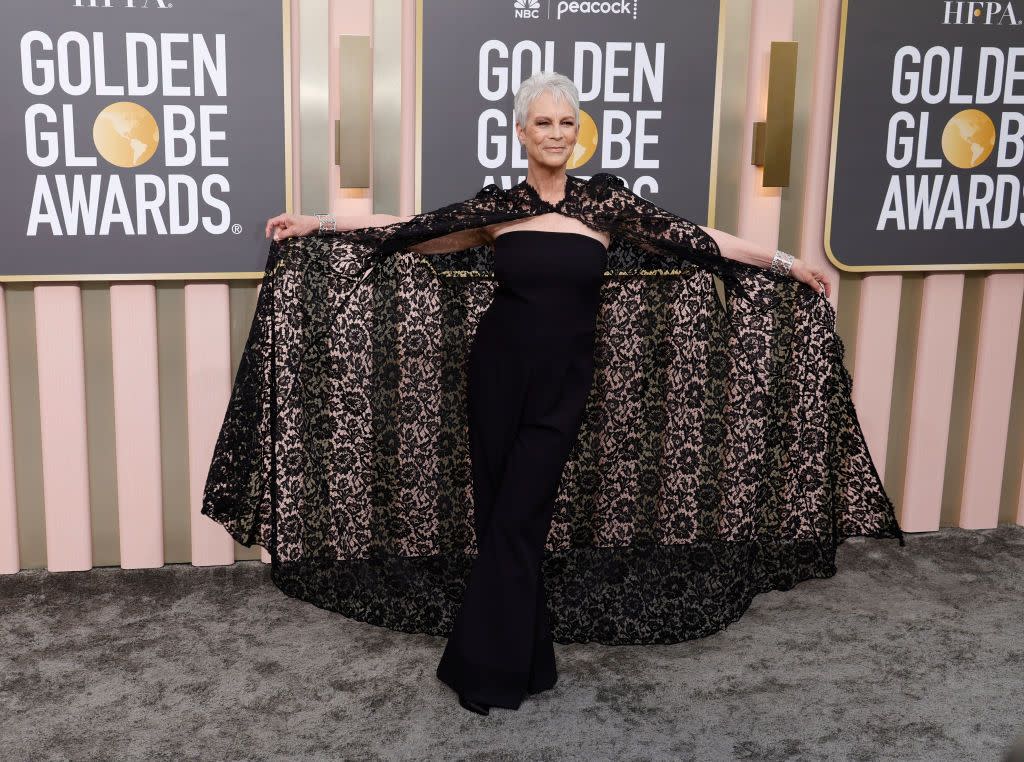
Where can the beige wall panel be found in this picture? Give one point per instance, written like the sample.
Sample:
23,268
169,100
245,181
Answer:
9,561
170,310
99,401
28,463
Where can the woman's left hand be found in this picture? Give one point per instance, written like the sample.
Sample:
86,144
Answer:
814,277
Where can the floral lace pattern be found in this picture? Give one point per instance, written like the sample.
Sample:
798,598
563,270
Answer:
720,454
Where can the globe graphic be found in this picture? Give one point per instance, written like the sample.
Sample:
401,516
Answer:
586,142
125,134
968,138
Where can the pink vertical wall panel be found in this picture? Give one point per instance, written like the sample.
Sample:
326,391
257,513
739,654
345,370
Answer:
875,361
990,402
62,423
137,425
208,387
10,559
934,368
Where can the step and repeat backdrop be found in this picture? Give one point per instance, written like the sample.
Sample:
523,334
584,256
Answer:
140,138
646,72
928,136
147,139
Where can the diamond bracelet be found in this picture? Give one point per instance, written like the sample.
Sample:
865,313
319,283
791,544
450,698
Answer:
327,223
781,262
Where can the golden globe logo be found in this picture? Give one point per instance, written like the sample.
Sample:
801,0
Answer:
527,9
980,12
968,138
586,142
126,134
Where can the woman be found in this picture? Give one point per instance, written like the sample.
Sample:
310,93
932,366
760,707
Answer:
530,372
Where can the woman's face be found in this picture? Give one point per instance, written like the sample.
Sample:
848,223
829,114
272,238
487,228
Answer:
549,134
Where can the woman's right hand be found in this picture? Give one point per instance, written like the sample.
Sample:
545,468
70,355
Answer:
288,225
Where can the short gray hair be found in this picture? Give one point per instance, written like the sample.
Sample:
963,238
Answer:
558,84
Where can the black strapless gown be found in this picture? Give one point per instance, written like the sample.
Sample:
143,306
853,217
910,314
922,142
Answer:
529,372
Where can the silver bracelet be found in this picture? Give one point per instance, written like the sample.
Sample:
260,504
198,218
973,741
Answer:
327,223
781,262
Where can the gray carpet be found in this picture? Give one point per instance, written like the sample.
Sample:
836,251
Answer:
913,653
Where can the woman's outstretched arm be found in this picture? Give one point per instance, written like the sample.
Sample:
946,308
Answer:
744,250
646,220
287,225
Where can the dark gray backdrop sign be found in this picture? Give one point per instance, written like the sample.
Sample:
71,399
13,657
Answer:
139,140
646,74
927,175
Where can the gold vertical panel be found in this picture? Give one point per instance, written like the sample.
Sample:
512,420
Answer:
28,444
387,106
716,114
352,138
418,141
778,131
314,161
99,423
170,328
242,305
286,110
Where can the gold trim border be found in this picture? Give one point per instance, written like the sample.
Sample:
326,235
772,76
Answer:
286,60
827,242
717,115
715,127
418,146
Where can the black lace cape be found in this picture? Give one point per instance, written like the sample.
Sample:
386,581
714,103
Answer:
720,454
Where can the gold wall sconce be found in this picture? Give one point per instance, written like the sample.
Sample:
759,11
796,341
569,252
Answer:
772,146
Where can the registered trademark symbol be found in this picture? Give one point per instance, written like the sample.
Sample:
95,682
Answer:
236,228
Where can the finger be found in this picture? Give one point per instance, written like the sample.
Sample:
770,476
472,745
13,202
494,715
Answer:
278,221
